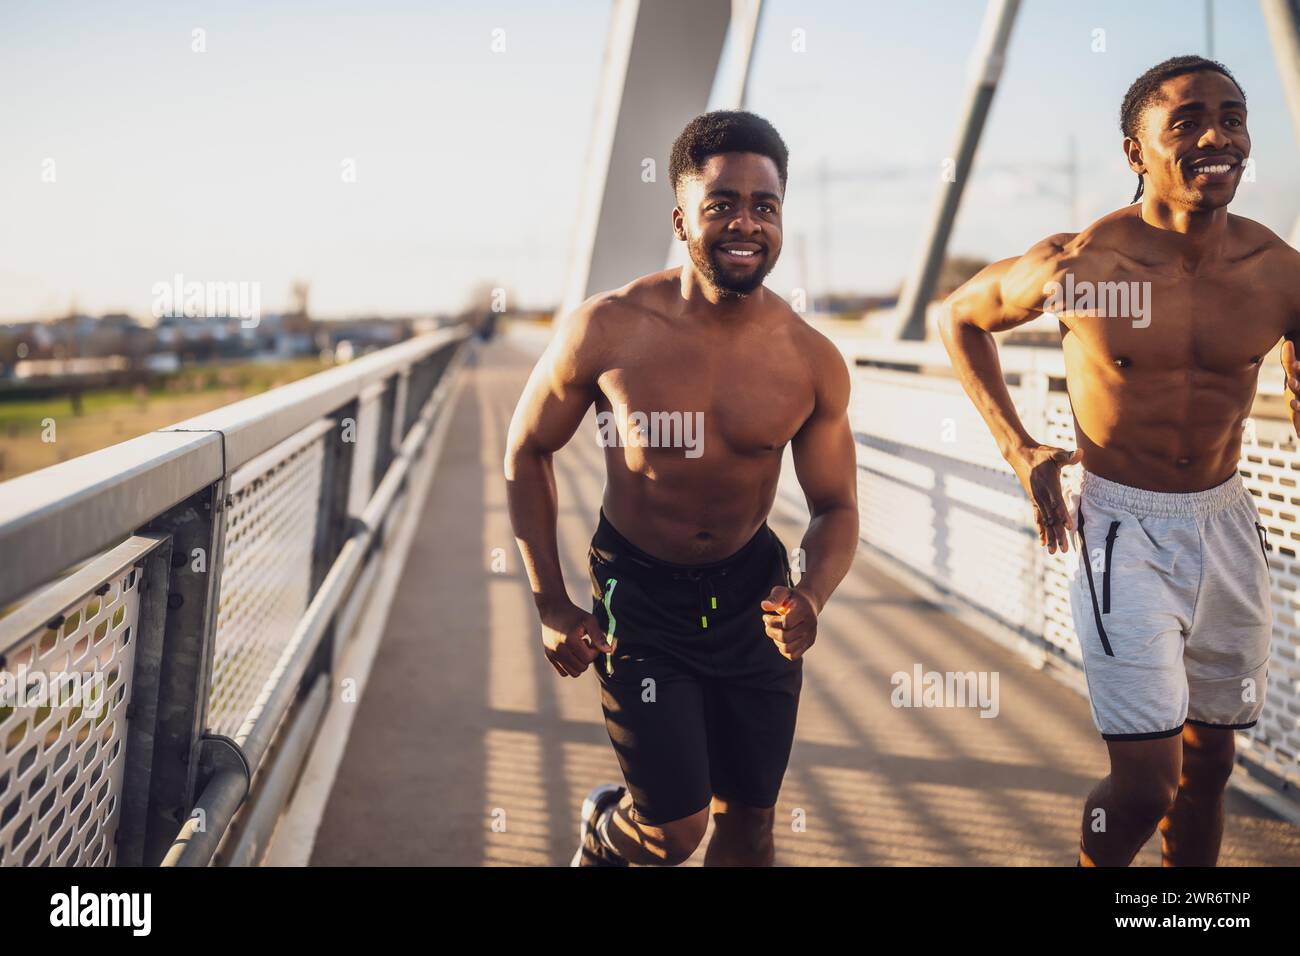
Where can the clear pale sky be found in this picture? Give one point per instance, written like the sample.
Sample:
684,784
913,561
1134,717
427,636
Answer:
226,165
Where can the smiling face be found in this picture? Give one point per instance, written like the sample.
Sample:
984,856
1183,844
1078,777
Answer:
1193,143
730,218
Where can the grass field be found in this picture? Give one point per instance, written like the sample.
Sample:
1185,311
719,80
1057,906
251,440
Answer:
111,416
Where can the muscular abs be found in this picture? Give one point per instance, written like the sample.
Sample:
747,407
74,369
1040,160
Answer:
741,395
1162,405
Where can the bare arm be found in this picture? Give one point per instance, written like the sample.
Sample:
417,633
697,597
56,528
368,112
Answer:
970,316
825,462
1289,274
554,401
1004,295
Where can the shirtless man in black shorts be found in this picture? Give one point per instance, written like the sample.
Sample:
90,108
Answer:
702,377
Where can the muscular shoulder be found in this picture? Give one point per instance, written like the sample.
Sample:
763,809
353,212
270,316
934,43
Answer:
1114,241
578,347
1285,258
1252,239
823,360
1024,282
1051,250
1251,236
1278,263
1111,237
1272,264
586,339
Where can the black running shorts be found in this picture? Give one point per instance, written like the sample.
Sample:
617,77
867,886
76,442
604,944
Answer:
698,700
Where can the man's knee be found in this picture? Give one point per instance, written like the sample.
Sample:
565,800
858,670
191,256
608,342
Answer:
1144,800
1143,780
1208,757
678,839
1142,796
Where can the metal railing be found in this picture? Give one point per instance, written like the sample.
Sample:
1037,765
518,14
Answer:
940,503
175,605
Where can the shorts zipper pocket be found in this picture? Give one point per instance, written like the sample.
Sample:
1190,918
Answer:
1105,577
1262,533
613,626
1086,559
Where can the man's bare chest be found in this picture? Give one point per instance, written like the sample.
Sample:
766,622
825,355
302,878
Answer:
742,398
1221,325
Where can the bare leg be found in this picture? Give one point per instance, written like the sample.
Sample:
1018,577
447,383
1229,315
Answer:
667,844
742,836
1123,810
1193,829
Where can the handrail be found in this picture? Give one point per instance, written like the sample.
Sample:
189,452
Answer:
255,424
226,791
1013,358
53,518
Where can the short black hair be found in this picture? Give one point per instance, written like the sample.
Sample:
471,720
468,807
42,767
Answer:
1146,90
725,131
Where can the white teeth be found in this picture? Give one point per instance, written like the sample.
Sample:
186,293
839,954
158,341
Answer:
1220,168
740,252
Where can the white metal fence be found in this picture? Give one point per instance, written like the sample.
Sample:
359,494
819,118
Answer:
202,580
937,498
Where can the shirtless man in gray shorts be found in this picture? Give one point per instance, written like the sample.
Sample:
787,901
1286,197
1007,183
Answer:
1171,599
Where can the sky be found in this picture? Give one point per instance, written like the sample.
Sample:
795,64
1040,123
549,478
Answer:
231,164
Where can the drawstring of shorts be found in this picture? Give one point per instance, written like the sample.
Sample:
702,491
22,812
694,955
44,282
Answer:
713,602
707,603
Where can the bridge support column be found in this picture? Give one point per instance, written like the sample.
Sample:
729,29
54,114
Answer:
661,61
1283,18
986,67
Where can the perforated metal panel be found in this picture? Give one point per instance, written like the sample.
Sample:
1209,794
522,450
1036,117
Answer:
924,413
936,496
1271,471
62,753
266,579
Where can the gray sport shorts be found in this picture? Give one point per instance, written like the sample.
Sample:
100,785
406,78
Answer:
1171,606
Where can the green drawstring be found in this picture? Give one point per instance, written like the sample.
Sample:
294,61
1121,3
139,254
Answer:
613,624
713,605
